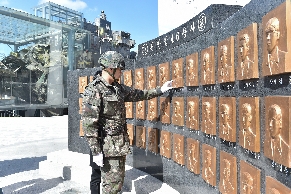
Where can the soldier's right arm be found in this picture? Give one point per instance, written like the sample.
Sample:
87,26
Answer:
90,116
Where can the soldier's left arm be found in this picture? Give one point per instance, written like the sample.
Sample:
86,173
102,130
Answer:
133,95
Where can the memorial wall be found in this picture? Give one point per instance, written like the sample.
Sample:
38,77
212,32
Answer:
225,127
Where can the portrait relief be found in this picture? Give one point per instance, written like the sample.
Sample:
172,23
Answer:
179,149
192,70
250,179
91,78
249,122
178,111
164,73
273,186
193,155
177,73
82,84
227,118
228,173
130,133
153,140
140,110
208,109
192,121
152,110
139,78
140,138
226,60
129,109
276,36
207,66
277,133
81,132
151,77
127,78
80,105
165,110
165,144
247,49
209,164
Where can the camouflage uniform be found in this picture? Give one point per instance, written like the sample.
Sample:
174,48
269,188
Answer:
104,124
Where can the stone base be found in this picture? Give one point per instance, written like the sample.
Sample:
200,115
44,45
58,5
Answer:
69,165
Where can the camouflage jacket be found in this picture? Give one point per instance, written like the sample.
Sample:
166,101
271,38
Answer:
104,116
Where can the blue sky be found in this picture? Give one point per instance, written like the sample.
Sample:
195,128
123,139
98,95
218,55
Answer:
138,17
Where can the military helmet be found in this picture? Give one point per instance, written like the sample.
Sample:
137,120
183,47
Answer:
112,59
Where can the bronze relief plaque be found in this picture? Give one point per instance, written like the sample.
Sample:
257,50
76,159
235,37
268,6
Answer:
140,110
178,148
228,173
140,138
129,110
227,118
209,164
273,186
165,144
152,109
208,110
277,129
276,38
152,77
178,111
153,138
80,105
165,110
247,49
192,121
249,123
225,52
81,132
164,70
192,70
177,73
139,78
130,133
250,179
127,78
82,84
193,155
91,78
207,66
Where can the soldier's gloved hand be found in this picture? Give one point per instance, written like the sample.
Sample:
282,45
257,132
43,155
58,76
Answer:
167,86
98,159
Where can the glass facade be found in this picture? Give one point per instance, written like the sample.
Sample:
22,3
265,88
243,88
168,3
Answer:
40,51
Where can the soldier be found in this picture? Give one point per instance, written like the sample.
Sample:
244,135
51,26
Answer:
104,121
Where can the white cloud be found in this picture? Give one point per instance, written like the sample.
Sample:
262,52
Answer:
173,13
77,5
4,2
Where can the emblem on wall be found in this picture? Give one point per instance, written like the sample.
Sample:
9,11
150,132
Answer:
139,78
140,110
129,110
153,138
151,77
127,78
152,110
165,110
250,178
82,84
275,187
130,129
140,137
164,73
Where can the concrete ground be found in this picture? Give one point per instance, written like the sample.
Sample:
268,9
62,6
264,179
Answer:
26,141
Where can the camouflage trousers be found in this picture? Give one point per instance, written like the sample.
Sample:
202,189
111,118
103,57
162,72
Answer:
112,173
